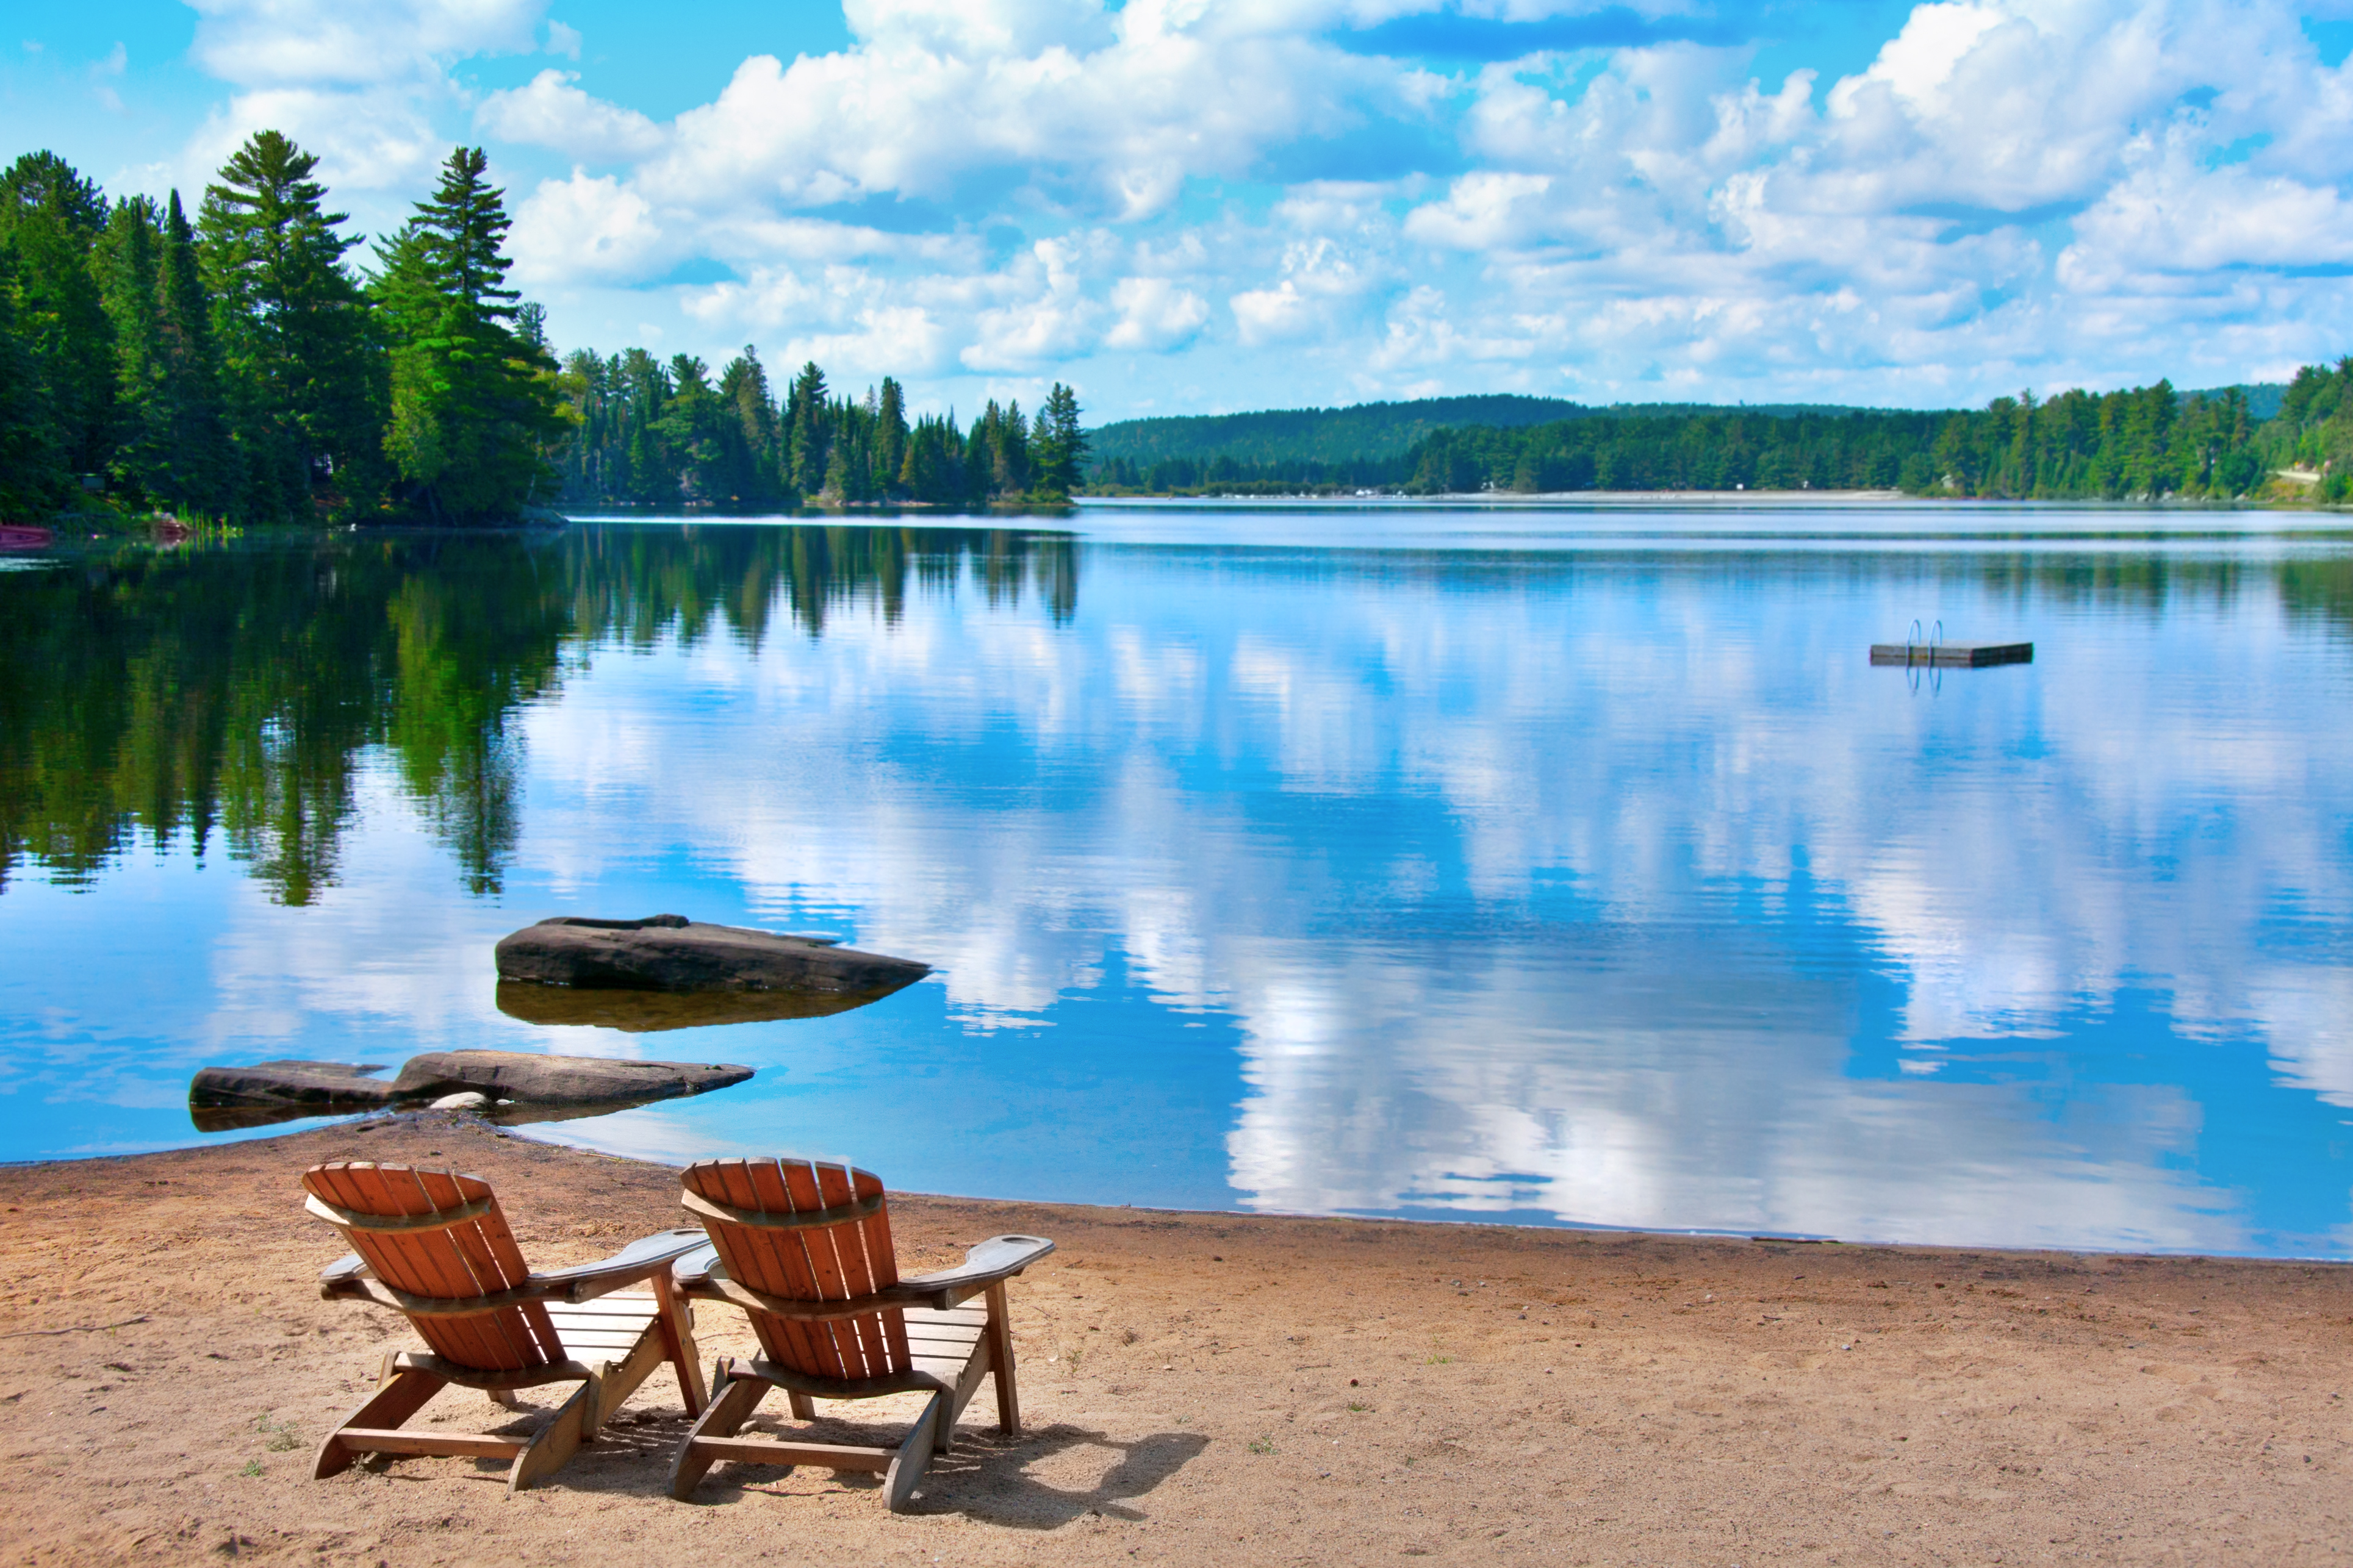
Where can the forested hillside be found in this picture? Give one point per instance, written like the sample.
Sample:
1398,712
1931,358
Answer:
243,366
2146,442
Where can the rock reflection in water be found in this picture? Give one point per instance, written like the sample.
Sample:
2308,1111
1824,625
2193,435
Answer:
649,1012
245,1118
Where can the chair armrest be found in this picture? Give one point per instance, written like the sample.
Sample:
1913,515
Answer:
343,1277
999,1257
641,1259
694,1269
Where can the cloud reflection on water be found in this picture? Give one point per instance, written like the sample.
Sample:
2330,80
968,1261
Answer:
1557,890
1604,884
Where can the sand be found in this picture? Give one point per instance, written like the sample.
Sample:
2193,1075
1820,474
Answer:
1206,1389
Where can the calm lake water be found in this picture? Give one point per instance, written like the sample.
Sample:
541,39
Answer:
1543,864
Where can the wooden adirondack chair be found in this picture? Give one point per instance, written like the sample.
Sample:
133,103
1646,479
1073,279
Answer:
805,1249
434,1246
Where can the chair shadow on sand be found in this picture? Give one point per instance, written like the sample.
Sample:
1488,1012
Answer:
983,1476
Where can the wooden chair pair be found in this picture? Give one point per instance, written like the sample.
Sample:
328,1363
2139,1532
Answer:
803,1247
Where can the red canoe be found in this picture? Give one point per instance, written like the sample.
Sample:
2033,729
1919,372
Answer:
19,536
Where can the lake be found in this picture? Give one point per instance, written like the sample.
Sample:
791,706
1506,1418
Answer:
1557,864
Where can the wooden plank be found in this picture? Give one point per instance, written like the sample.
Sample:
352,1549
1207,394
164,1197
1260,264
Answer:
456,1445
775,1451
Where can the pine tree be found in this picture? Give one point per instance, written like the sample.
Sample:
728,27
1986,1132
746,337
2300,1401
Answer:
128,268
805,415
474,405
32,468
51,217
1058,445
192,471
890,436
303,377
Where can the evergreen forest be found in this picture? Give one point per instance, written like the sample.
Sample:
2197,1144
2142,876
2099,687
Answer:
245,364
2146,443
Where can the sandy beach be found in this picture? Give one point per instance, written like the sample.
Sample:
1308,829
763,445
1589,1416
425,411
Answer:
1208,1389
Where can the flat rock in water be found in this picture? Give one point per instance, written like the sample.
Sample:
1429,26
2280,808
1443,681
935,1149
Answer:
536,1080
326,1085
221,1099
670,952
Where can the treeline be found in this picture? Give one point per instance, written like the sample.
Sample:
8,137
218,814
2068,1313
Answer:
2146,442
236,365
231,699
2143,443
240,366
1271,444
1226,473
664,434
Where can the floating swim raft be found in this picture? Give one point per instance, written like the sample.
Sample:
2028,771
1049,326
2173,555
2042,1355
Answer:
1951,655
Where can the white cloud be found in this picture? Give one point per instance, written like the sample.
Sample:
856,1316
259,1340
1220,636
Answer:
550,111
361,85
1486,211
2010,191
1155,314
587,224
319,44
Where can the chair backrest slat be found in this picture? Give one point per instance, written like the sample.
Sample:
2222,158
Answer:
835,1262
475,1258
780,1259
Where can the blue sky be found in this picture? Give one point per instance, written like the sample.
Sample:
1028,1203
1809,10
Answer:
1191,206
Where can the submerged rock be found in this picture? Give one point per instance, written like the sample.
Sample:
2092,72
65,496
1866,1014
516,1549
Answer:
220,1099
670,952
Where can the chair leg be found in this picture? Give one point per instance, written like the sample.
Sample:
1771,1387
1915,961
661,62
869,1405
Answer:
804,1407
623,1378
730,1408
557,1441
1001,1352
907,1468
676,1320
402,1396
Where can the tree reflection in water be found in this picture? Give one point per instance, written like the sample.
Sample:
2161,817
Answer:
237,693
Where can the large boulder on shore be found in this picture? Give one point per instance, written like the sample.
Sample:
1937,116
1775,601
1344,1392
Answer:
670,952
